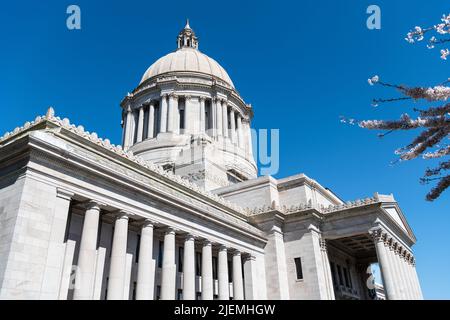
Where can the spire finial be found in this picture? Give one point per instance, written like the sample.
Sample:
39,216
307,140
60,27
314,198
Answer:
187,24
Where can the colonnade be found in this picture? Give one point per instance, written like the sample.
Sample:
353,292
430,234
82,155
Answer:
220,121
397,265
145,283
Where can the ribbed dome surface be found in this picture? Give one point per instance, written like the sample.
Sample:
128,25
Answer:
187,59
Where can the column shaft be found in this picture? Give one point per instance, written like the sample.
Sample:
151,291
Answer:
172,124
225,118
250,278
189,268
146,264
240,131
386,271
140,128
238,287
168,277
163,114
224,283
118,264
219,114
233,126
202,115
207,274
151,121
87,256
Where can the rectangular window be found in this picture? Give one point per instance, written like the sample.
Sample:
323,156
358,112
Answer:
214,261
160,253
198,264
339,270
230,271
198,296
347,283
138,247
207,115
158,292
180,259
298,268
180,294
134,291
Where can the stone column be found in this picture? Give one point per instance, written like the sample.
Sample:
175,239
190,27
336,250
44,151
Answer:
240,131
233,126
408,283
202,115
412,282
189,268
151,121
401,281
416,279
87,254
213,128
127,139
238,287
327,269
392,261
222,274
168,277
140,128
163,114
188,122
172,117
219,114
207,274
248,138
225,118
118,262
146,265
250,278
386,272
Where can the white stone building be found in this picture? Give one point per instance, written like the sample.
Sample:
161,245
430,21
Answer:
178,211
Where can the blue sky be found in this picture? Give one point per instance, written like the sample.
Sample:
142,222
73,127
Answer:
301,64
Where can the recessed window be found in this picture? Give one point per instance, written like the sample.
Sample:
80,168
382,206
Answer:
160,253
138,246
298,268
180,259
198,264
214,261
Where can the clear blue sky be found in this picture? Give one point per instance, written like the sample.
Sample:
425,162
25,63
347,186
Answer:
301,64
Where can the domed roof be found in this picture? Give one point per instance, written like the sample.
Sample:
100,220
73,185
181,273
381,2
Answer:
187,58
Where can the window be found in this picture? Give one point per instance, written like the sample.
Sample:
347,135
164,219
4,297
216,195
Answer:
339,270
207,115
134,291
347,283
158,292
214,265
198,264
180,294
298,268
180,259
138,247
198,296
160,253
230,271
182,113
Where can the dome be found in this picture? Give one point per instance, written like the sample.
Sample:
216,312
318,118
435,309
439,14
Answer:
187,58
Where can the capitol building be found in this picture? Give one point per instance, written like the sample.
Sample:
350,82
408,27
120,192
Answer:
178,211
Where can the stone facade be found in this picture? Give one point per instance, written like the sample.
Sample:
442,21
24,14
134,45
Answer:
178,212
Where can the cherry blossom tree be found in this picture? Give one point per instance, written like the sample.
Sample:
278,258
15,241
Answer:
433,119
